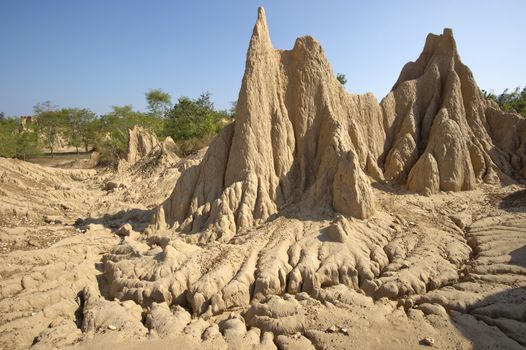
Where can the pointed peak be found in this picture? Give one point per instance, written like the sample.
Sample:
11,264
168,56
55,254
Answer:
260,40
437,46
261,14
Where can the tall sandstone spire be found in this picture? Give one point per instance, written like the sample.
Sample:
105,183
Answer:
440,130
301,141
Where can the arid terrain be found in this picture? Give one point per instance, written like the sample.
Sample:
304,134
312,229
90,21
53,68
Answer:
318,219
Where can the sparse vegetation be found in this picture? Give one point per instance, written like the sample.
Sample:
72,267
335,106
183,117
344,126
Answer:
159,102
514,101
192,123
18,140
341,78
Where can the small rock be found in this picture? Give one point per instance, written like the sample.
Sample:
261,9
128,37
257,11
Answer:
344,331
48,219
112,327
110,185
65,207
332,329
427,341
124,230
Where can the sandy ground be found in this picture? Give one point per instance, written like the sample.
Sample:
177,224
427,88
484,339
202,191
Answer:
454,274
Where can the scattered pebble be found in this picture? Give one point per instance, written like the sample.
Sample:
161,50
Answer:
344,331
332,329
427,341
112,327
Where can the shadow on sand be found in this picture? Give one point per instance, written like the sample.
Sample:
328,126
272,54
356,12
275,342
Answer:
495,322
139,219
498,321
514,202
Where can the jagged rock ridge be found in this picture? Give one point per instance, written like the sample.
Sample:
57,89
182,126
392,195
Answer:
300,138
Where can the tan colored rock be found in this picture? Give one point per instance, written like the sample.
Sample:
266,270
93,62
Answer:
435,110
140,143
298,138
424,176
144,148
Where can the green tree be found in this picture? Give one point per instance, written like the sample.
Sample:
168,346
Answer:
27,143
193,123
50,123
204,101
341,78
8,128
80,127
17,141
159,102
514,101
489,95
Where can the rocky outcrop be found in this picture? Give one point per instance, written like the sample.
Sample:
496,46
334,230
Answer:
508,133
441,132
143,147
435,116
300,140
140,143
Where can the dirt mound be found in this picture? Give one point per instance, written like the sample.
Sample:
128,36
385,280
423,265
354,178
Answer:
148,173
300,152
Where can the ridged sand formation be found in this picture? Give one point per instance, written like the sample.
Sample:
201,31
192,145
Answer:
300,139
299,153
318,219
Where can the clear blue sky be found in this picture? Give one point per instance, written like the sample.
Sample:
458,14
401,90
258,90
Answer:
100,53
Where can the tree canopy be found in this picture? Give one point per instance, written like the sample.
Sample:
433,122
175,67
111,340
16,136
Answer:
159,102
191,123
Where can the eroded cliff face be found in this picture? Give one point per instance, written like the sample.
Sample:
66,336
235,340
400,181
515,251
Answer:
298,137
438,136
300,140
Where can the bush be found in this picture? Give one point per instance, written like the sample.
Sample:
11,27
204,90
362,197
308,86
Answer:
514,101
193,123
18,141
